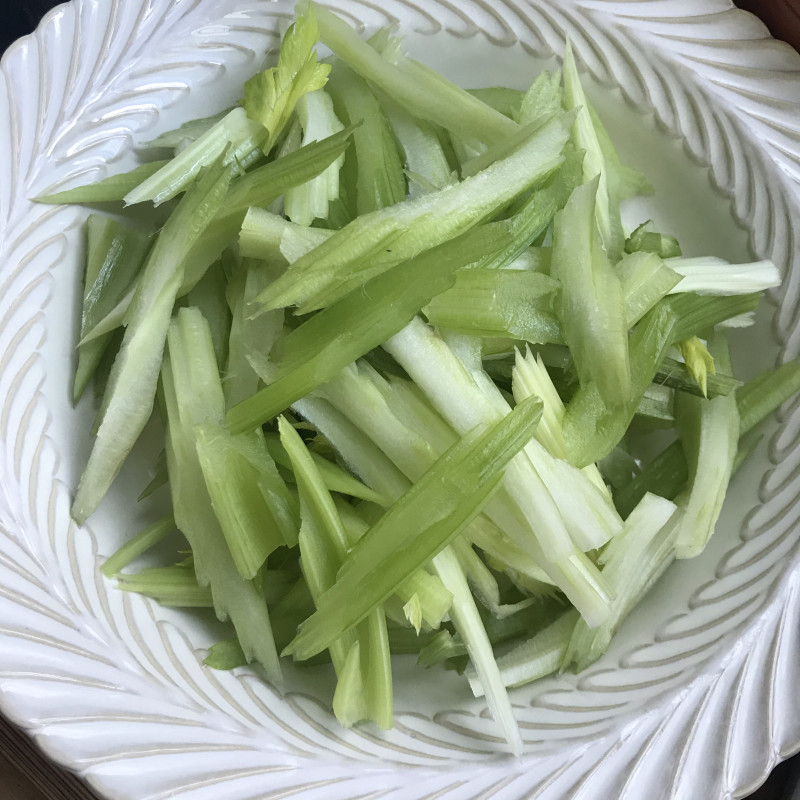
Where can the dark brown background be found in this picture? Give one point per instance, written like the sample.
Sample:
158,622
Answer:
24,774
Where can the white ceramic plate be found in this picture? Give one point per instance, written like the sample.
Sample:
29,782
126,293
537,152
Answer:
697,696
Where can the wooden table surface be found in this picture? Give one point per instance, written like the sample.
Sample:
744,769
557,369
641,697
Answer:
25,774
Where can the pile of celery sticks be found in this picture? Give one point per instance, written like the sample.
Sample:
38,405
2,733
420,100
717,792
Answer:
400,343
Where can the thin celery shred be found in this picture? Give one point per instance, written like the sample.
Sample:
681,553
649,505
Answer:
421,389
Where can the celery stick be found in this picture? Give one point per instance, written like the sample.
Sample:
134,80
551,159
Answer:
591,431
468,624
309,201
592,312
115,253
500,98
247,334
322,534
270,96
375,242
209,296
236,497
379,172
268,237
631,564
108,190
710,275
351,327
418,526
426,163
542,100
139,544
498,303
193,395
604,209
335,478
234,139
170,586
695,313
675,374
129,396
188,131
709,431
440,648
539,656
765,393
422,92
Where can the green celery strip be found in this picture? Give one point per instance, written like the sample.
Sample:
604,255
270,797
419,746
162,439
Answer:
109,190
187,132
193,396
696,313
592,311
765,393
128,400
234,139
171,586
631,564
139,544
269,237
313,353
270,96
716,276
591,431
675,374
364,689
500,98
115,253
418,526
233,485
209,296
540,655
373,243
467,621
709,431
422,92
380,181
498,303
335,478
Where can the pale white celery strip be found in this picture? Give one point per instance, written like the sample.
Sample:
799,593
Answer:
709,430
310,200
711,275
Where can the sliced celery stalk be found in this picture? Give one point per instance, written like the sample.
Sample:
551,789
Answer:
467,621
500,98
209,296
336,479
235,139
716,276
239,505
188,131
539,656
665,475
309,201
262,185
418,526
631,564
709,430
115,253
128,401
270,96
108,190
193,396
592,311
591,431
765,393
426,163
379,172
543,99
365,688
170,586
269,237
313,353
139,544
373,243
247,334
604,209
422,92
695,313
498,303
